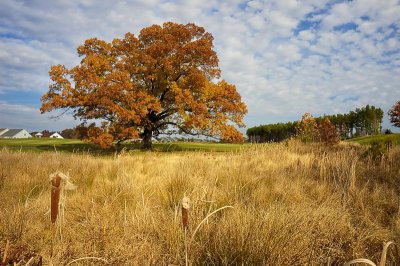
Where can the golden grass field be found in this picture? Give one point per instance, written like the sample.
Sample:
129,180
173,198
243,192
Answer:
292,204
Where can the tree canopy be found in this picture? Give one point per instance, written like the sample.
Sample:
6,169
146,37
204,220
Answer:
166,80
394,114
271,132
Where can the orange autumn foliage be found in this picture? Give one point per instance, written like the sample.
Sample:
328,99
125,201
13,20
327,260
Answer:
307,128
162,81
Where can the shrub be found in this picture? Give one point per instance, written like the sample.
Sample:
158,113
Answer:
379,148
327,132
307,129
388,131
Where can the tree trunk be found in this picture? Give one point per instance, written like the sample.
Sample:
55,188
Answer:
147,136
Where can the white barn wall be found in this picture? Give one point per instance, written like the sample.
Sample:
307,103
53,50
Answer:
56,135
23,134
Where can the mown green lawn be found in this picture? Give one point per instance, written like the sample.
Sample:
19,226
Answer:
46,144
74,145
38,142
366,140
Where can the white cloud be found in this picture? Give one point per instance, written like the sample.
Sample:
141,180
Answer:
256,5
306,35
288,52
340,14
283,22
29,118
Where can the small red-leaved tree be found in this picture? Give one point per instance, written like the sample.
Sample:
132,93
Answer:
162,81
327,132
394,114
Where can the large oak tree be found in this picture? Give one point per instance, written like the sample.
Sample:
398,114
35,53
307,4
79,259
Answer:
166,80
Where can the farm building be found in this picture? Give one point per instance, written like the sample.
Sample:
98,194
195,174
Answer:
55,135
37,134
14,133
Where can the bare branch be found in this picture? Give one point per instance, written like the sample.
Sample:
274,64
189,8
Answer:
59,116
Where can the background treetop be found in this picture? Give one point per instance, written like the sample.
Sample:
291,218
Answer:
394,114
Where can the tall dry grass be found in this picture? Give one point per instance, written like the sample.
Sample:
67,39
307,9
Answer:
292,205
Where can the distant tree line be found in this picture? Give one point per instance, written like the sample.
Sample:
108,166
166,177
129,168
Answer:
360,122
271,132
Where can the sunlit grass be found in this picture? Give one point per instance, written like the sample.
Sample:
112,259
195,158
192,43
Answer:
291,204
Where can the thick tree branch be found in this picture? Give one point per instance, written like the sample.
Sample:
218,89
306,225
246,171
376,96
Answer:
163,94
164,114
168,88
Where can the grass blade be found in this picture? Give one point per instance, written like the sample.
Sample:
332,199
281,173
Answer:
384,252
205,219
367,261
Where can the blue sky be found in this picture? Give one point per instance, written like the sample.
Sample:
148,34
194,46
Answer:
285,57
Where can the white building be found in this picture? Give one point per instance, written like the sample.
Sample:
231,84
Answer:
14,133
55,135
38,135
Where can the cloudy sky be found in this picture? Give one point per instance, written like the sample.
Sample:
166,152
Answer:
285,57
